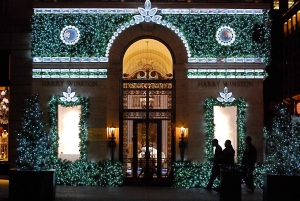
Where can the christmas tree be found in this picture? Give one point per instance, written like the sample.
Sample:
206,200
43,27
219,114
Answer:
283,143
34,146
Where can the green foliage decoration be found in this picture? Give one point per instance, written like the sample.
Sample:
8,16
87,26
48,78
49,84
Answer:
200,32
78,173
241,105
81,172
252,35
83,132
37,148
190,175
187,174
95,33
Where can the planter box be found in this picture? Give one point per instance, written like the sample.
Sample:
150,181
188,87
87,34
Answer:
32,185
281,187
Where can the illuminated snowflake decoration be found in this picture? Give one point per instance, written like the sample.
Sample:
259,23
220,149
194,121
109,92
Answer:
70,35
225,97
225,35
147,14
69,96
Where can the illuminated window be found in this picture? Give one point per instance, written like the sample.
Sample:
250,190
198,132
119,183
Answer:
285,28
290,3
68,131
4,121
289,24
294,22
297,108
276,4
225,119
298,18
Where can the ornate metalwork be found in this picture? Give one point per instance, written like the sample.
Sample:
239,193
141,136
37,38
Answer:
160,115
134,115
130,85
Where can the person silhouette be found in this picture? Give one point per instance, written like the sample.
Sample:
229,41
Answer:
215,171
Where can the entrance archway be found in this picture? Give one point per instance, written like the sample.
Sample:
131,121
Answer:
147,112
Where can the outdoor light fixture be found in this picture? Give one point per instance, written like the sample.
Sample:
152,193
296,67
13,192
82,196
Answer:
112,142
182,143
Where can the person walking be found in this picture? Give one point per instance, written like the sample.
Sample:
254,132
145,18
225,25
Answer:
215,172
228,153
248,161
226,158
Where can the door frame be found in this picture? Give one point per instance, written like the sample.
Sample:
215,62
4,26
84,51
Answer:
122,118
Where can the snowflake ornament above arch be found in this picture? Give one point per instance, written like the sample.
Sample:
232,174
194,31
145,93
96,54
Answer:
147,14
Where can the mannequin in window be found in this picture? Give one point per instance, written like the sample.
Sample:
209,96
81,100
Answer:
4,136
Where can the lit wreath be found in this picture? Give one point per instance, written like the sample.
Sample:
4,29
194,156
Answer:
69,35
225,35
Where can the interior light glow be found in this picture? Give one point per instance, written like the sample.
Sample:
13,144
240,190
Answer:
68,120
225,126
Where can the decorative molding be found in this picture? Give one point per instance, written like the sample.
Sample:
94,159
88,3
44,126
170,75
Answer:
226,73
178,11
69,73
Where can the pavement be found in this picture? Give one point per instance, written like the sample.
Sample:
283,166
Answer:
133,193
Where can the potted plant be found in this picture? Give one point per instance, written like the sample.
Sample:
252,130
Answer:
33,179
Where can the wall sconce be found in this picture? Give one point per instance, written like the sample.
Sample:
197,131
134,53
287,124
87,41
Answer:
112,142
182,143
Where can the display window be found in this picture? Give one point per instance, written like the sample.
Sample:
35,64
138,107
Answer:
4,121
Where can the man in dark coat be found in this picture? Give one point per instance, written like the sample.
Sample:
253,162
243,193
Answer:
215,172
228,153
248,161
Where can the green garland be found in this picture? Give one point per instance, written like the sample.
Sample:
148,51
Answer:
209,124
83,133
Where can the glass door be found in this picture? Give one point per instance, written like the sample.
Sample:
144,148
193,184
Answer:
148,152
147,117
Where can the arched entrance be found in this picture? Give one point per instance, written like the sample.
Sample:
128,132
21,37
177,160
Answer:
147,113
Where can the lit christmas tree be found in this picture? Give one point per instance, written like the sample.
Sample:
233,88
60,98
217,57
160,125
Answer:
34,147
283,144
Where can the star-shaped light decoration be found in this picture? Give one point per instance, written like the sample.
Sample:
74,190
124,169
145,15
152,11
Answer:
225,97
147,14
69,96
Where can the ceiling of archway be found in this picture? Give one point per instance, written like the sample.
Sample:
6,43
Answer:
147,52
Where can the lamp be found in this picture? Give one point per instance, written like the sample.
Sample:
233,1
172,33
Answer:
112,142
182,143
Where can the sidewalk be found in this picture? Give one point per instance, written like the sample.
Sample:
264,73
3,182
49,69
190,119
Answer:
134,193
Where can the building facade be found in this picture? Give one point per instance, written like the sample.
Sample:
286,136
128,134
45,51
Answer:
160,78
